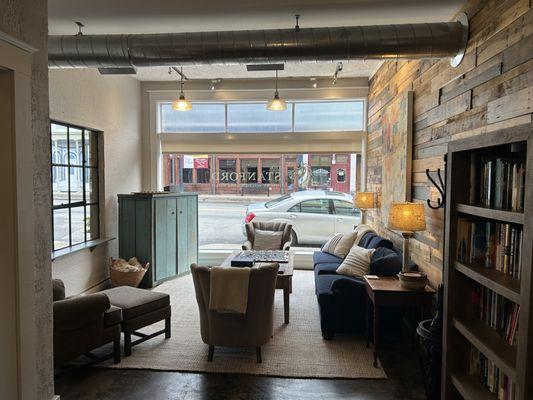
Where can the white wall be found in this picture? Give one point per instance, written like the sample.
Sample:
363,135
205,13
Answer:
111,104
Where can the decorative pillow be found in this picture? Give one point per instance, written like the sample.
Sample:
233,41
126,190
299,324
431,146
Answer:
267,240
340,244
357,262
385,262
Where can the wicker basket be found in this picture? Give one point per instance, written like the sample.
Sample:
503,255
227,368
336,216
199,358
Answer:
123,278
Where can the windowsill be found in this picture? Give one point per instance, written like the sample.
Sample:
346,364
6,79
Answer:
91,245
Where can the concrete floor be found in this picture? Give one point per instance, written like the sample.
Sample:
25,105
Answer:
399,360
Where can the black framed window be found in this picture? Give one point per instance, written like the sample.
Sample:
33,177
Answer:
75,183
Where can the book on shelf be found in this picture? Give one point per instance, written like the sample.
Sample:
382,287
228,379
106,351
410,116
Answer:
490,376
490,244
502,182
497,312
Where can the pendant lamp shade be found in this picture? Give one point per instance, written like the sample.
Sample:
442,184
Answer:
181,103
277,103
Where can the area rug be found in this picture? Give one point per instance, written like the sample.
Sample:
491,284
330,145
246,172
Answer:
296,350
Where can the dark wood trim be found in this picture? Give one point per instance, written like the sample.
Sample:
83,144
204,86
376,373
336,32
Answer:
491,213
501,283
469,388
489,343
502,136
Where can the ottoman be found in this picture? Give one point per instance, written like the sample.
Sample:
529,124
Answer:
140,308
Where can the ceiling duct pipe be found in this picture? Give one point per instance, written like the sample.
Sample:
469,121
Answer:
408,41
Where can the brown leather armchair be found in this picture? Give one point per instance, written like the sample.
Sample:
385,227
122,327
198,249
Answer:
83,323
253,329
283,227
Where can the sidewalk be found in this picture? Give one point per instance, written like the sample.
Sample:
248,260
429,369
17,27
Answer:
235,198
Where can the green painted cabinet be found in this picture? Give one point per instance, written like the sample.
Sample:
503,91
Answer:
161,229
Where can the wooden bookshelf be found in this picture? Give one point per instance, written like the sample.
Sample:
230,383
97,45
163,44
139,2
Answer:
502,284
467,386
489,343
463,330
490,213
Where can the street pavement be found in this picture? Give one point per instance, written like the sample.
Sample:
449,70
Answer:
220,222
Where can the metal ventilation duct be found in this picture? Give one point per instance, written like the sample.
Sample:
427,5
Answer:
431,40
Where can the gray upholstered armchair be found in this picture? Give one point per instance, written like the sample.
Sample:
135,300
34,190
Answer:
83,323
267,228
252,329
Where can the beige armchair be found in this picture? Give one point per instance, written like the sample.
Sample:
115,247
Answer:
252,227
253,329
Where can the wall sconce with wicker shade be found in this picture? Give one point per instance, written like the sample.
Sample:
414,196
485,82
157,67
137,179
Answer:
364,201
407,218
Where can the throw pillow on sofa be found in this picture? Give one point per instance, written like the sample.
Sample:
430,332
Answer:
340,244
357,262
267,240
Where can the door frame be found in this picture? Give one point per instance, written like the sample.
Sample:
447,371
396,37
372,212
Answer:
21,369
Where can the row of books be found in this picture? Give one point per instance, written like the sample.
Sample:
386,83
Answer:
491,245
492,378
501,185
497,312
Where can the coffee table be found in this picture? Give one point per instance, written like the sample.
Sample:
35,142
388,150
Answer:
284,280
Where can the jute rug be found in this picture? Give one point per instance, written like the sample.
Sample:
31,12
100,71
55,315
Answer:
296,350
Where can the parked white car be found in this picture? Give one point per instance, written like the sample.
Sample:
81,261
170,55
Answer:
315,215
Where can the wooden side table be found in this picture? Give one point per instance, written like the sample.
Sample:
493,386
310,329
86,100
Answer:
387,292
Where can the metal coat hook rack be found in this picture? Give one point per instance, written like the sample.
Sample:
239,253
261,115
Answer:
441,187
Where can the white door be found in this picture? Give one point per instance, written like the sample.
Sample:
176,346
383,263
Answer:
346,217
312,220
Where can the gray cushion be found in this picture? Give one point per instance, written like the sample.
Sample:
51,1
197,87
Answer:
267,240
136,302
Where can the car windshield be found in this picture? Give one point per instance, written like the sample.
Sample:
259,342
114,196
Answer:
277,201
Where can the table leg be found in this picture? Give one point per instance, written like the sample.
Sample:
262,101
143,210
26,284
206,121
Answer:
376,343
367,320
286,293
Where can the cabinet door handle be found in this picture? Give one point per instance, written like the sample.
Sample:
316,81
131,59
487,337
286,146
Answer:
172,213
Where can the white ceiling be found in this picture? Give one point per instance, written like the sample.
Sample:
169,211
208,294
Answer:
350,69
162,16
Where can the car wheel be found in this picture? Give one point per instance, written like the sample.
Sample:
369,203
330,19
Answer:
294,239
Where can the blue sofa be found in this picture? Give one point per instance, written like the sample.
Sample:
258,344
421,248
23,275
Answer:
341,298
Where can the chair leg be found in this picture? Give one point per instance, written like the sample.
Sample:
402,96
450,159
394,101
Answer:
127,344
211,353
167,328
116,351
258,354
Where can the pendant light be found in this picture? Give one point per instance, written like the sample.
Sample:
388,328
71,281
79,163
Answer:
181,103
277,103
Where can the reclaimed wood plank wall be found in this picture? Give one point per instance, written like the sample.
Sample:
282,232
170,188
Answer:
491,89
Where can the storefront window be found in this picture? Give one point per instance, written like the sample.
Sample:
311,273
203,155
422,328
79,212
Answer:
249,170
341,175
203,174
227,170
187,175
270,170
320,176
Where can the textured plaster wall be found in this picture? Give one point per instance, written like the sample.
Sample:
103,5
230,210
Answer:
111,104
27,21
